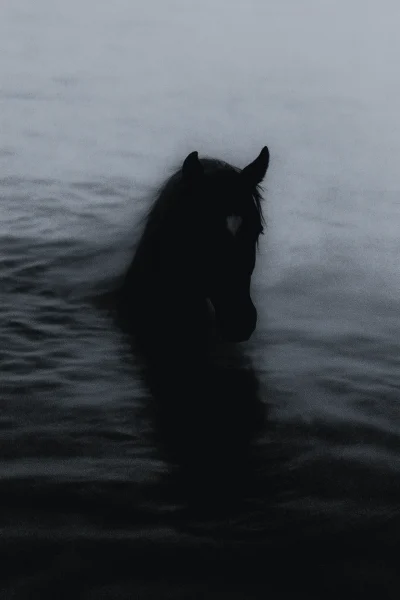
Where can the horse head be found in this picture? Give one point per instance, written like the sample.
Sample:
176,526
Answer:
226,223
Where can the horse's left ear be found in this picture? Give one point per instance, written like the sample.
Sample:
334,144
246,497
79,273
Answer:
254,173
192,169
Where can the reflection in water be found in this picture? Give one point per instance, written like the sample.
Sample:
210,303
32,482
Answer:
206,414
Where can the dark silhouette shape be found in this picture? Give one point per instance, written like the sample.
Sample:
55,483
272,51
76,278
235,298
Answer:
206,417
199,244
195,260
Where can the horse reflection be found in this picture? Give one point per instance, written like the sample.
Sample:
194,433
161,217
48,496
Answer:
206,418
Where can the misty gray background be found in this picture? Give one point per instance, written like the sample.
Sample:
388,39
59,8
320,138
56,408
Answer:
99,102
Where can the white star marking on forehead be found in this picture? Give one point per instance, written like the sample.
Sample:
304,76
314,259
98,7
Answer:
233,223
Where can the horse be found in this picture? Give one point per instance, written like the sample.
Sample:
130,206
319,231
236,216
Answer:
184,299
197,254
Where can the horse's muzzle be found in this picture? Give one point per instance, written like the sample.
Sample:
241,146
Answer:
236,320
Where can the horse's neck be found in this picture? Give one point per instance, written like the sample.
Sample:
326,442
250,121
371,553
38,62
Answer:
165,256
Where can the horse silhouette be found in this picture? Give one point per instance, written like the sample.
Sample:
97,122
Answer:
198,249
185,299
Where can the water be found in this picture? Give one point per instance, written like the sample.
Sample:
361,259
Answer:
99,102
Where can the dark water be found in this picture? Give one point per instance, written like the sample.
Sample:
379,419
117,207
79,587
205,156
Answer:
290,462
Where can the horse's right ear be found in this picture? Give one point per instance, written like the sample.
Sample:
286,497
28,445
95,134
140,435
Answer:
192,169
254,173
